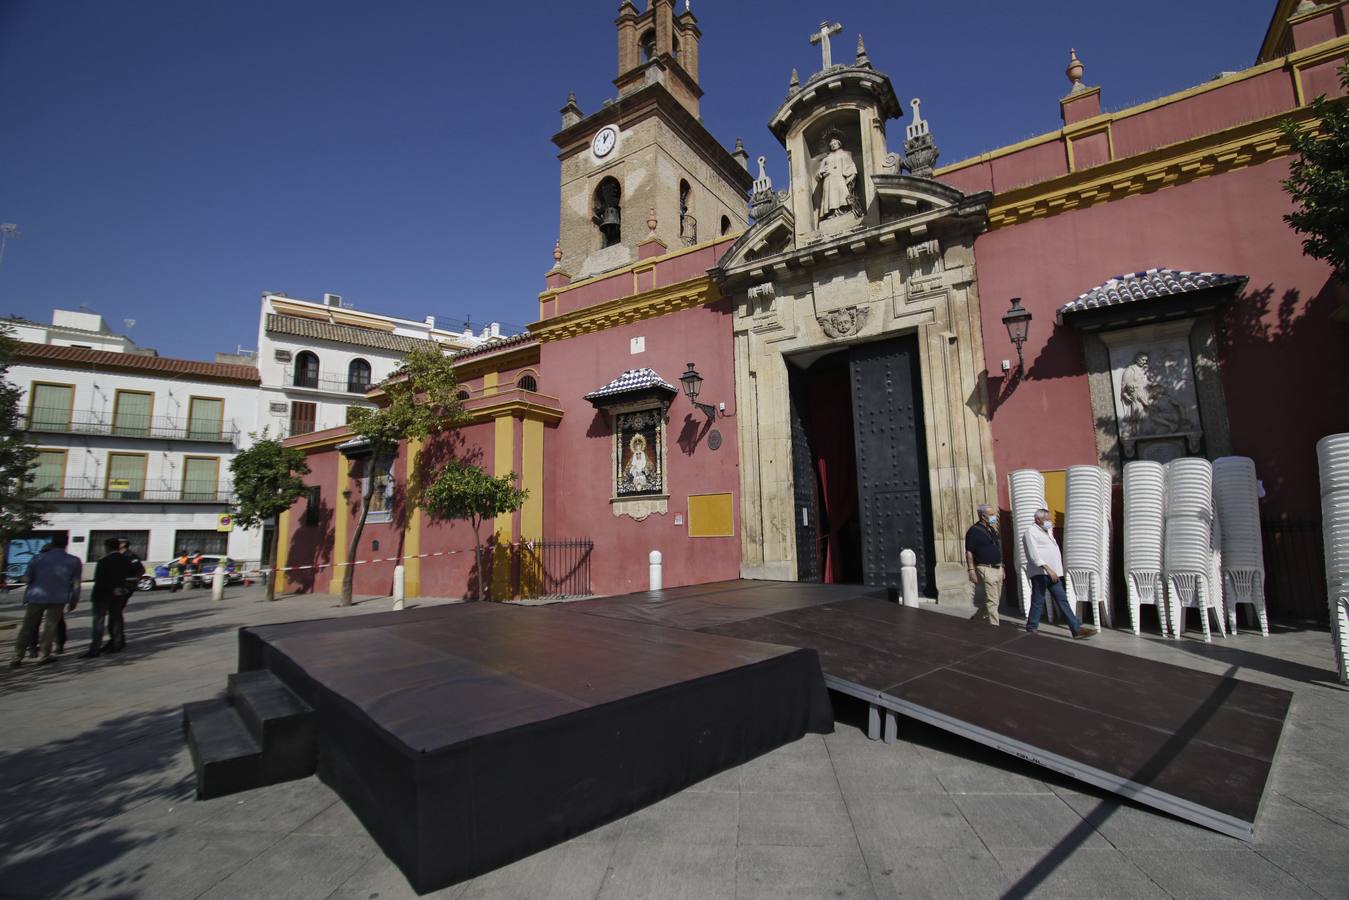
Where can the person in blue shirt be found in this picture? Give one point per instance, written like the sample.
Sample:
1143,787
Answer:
53,585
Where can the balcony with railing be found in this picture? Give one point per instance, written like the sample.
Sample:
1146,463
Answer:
307,379
114,490
163,428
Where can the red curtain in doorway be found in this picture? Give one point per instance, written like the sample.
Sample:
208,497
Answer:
829,398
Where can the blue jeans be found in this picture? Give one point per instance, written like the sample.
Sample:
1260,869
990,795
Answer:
1039,584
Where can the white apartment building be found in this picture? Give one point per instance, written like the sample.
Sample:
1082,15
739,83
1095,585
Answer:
318,360
130,443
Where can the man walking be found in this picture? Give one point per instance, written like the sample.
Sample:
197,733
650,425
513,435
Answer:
53,579
134,570
109,597
1044,567
983,560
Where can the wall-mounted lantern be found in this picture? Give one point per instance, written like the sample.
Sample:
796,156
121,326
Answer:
693,383
1017,319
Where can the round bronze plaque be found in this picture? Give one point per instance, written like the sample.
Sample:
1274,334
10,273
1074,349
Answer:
714,440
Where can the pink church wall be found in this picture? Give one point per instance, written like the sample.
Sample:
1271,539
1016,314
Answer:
578,453
1276,345
312,545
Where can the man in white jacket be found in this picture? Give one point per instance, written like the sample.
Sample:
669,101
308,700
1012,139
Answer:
1044,568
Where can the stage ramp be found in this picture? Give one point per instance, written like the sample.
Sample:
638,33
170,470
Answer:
1192,744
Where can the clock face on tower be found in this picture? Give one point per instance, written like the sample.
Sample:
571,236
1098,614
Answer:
604,141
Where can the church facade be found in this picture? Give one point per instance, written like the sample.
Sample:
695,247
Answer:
796,382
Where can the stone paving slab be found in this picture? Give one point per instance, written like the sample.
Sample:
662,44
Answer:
97,798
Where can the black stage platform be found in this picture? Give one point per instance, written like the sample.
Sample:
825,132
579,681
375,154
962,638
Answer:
1196,745
468,736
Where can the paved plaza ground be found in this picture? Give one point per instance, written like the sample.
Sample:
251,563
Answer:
96,798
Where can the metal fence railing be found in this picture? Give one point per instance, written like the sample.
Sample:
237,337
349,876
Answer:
1295,569
349,384
81,489
88,421
552,569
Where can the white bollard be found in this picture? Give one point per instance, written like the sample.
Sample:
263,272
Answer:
398,583
656,578
908,577
218,582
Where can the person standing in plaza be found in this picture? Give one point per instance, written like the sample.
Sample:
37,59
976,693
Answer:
109,596
983,560
116,620
1044,568
53,585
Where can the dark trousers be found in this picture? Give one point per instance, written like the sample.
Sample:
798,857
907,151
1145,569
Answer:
110,611
1039,585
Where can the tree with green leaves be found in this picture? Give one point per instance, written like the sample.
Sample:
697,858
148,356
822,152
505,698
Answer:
419,400
464,491
21,507
1319,181
268,479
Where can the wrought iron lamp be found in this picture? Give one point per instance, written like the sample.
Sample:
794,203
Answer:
693,383
1017,319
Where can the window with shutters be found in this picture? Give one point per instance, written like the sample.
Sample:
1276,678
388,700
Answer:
205,418
50,475
201,476
358,377
302,417
126,476
50,405
306,370
132,412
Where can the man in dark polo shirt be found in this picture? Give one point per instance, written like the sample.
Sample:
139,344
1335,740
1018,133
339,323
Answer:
983,559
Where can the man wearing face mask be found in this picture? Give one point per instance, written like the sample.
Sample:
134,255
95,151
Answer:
1044,568
983,560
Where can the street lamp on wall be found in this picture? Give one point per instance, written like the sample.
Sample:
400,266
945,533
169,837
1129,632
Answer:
693,383
1017,319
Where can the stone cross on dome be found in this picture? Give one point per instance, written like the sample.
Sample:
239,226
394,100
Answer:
822,36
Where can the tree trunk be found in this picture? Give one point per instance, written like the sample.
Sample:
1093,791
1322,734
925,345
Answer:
272,573
349,576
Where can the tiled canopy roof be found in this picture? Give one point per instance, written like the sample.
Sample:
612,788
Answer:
343,334
111,361
631,382
1149,285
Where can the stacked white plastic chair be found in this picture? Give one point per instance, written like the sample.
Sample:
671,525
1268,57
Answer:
1086,540
1332,453
1236,496
1188,544
1027,490
1144,501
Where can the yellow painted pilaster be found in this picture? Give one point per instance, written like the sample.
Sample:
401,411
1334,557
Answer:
341,513
489,383
282,538
503,460
412,536
531,454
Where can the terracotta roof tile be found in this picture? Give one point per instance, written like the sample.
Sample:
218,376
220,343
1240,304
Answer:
134,362
1147,285
343,334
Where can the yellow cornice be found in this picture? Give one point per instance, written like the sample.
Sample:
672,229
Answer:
1234,148
641,264
646,305
520,404
1293,62
508,358
323,440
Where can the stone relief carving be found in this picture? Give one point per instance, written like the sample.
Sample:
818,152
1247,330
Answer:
1155,403
846,322
920,153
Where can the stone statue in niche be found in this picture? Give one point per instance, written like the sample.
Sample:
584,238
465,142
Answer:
837,177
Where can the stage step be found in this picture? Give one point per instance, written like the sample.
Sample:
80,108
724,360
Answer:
260,733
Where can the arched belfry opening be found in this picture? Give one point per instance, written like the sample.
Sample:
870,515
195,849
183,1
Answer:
609,211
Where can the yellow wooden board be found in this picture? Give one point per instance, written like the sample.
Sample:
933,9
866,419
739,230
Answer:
710,515
1056,493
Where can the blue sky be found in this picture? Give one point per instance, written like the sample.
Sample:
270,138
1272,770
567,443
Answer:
168,160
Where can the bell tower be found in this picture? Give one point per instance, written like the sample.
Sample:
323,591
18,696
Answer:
642,176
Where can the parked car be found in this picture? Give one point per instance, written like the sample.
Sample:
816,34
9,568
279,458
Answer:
159,576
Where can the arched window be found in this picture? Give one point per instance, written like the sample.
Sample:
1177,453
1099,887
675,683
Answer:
648,43
609,211
688,225
725,225
462,395
527,383
306,369
358,376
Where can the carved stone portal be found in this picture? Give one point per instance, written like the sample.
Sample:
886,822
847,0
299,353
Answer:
842,323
